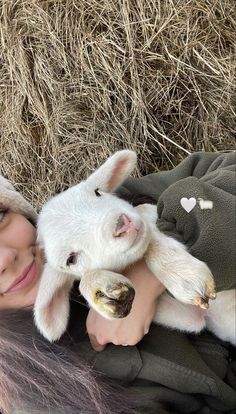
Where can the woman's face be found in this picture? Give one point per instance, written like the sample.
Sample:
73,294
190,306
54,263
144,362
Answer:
21,261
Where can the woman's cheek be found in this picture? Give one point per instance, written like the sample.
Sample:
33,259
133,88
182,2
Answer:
29,232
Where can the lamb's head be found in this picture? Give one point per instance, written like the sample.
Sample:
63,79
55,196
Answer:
88,227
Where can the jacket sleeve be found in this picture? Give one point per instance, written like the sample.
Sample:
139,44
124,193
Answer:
209,233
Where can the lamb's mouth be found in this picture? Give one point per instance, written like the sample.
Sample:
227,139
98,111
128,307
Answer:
115,301
139,234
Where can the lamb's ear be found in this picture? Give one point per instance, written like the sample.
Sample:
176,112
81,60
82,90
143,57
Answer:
51,309
114,171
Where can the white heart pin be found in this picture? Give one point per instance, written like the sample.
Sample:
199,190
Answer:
188,203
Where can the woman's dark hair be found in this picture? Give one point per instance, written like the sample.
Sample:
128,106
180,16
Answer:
135,198
37,377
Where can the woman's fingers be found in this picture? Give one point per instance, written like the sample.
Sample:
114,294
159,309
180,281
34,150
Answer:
131,329
95,344
101,331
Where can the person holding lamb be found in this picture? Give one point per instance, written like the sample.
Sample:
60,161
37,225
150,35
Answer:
161,370
102,235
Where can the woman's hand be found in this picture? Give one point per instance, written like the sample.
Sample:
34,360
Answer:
129,330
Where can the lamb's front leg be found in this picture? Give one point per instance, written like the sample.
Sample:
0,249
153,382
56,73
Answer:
178,315
187,278
109,293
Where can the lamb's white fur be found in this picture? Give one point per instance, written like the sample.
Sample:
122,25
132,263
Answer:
80,221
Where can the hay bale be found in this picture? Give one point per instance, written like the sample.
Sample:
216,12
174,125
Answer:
80,79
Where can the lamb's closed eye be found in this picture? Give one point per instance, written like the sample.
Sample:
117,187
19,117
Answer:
72,259
98,194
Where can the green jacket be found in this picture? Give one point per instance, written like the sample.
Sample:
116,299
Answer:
173,371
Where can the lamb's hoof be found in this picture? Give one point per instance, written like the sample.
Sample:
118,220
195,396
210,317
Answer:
210,290
201,302
116,301
210,293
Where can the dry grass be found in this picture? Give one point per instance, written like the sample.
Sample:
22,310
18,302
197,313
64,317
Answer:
81,79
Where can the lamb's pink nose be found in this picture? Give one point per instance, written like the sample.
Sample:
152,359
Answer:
123,225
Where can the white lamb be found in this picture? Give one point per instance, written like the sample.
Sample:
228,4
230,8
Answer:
91,235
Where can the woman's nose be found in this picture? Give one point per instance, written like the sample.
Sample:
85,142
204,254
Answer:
7,258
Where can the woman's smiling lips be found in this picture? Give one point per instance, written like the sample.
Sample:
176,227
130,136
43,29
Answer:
25,279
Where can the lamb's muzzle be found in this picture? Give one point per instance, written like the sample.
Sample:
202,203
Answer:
124,224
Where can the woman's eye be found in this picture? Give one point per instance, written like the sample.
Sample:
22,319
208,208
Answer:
97,192
72,259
